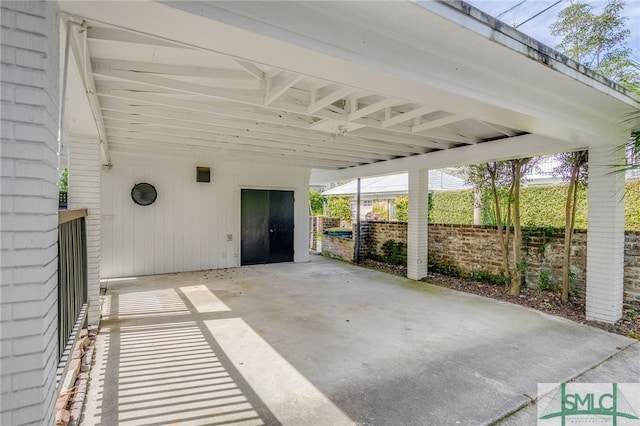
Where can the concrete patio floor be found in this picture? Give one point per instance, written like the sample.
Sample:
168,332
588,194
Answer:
328,343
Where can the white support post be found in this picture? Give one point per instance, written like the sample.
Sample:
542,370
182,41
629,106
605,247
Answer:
84,192
605,236
417,250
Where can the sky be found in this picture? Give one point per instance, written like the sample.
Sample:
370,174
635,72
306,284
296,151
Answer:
538,27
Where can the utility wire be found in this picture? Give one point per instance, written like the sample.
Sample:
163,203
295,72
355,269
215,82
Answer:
537,14
511,8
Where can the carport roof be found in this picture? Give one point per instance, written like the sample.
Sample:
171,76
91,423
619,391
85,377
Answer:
352,87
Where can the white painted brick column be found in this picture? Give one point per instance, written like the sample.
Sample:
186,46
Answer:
417,250
29,212
85,192
605,236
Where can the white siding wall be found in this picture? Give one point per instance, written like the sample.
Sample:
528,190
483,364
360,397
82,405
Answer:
605,235
84,192
186,228
417,244
29,221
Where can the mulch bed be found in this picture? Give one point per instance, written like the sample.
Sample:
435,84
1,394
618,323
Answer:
545,301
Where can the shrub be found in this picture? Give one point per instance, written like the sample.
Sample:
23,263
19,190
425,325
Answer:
339,207
402,209
315,203
393,253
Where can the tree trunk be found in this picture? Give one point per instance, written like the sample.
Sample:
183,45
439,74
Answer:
569,223
501,238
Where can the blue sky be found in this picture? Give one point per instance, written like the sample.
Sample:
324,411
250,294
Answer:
538,27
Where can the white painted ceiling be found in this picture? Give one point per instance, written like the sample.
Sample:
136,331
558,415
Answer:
173,80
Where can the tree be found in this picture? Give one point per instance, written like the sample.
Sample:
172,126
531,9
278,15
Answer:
402,208
504,179
64,180
339,207
573,169
597,41
315,203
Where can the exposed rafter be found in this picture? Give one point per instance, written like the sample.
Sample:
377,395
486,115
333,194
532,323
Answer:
82,59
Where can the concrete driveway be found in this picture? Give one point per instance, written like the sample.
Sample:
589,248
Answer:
327,343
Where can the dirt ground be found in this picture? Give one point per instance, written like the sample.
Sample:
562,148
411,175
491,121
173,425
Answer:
545,301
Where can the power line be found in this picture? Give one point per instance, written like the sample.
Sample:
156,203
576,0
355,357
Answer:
537,14
511,8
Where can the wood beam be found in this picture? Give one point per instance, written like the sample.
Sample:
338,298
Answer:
370,109
437,123
119,129
83,62
170,69
109,34
502,149
251,68
406,116
159,115
281,87
329,99
203,107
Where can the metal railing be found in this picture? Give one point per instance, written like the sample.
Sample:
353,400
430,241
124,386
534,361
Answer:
72,276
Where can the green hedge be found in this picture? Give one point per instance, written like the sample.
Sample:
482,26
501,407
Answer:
451,207
632,206
541,206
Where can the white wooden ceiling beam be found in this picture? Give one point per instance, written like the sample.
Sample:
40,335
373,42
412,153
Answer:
329,99
80,51
374,148
160,115
114,35
279,89
119,128
182,86
132,146
502,149
222,141
504,130
406,116
181,70
370,109
437,123
251,68
398,138
207,108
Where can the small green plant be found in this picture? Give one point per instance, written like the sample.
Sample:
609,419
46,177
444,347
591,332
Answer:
394,252
544,283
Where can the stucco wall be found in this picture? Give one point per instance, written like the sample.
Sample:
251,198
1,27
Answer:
187,228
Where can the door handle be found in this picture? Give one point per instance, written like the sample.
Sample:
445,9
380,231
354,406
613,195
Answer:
271,230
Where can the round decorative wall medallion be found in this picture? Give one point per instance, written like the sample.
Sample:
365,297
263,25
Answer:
144,194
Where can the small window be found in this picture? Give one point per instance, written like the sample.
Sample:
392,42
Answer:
203,174
367,203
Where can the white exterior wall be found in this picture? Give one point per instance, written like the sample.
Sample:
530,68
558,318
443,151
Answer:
605,236
186,228
84,192
29,205
417,244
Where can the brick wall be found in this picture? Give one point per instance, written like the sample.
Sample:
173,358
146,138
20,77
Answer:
84,192
474,249
317,224
338,247
29,218
632,265
374,234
